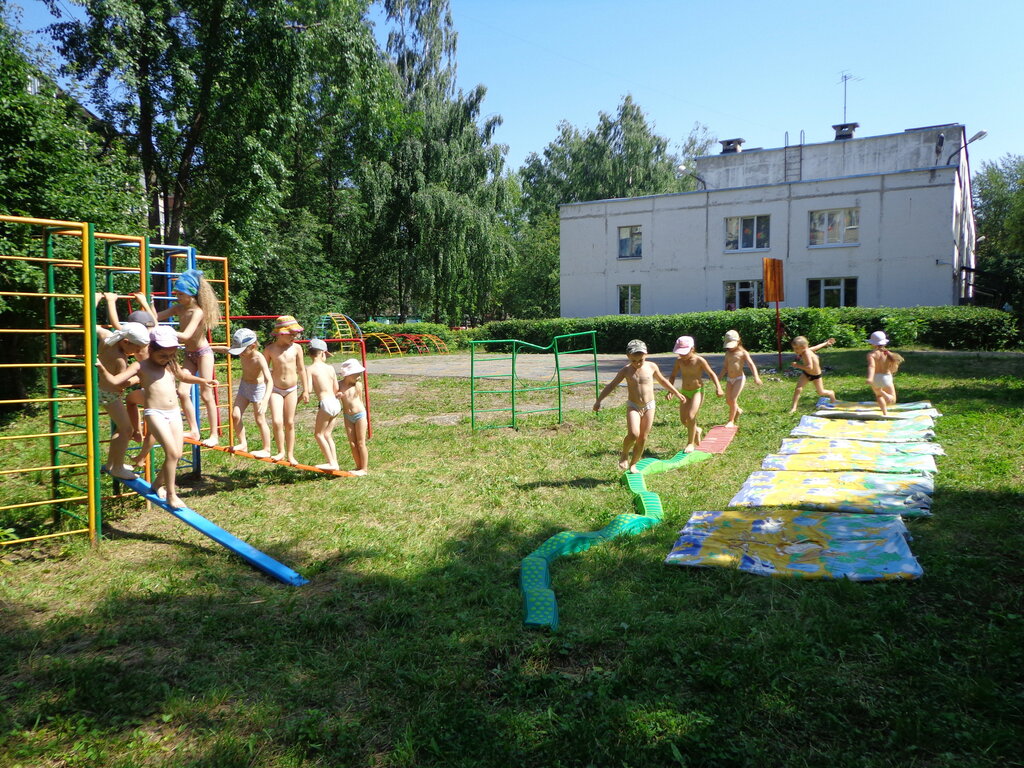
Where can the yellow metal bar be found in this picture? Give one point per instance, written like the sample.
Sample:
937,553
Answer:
42,400
40,469
40,365
45,222
43,434
42,295
47,536
91,424
44,260
42,330
47,502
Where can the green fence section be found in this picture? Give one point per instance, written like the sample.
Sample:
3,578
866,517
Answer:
584,343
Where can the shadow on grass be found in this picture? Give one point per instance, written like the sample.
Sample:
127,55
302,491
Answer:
428,664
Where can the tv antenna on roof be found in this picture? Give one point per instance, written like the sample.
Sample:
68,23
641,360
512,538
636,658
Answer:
845,77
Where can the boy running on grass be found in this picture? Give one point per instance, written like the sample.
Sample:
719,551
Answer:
810,369
640,376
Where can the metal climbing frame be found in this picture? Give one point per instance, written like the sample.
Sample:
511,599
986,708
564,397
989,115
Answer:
68,323
339,326
560,345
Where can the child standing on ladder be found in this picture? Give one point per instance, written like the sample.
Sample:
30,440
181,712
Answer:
253,388
159,375
323,380
639,375
287,372
736,359
691,368
116,347
351,394
198,313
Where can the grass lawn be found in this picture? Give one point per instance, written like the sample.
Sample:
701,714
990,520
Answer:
159,648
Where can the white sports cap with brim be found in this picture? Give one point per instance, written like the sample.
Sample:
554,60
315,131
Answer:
241,340
634,346
731,339
134,333
317,344
683,345
164,336
351,366
878,339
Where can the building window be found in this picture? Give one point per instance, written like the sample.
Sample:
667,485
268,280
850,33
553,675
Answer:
744,294
630,242
747,233
629,299
832,292
840,226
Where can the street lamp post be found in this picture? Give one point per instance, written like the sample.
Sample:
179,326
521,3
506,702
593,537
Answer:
976,137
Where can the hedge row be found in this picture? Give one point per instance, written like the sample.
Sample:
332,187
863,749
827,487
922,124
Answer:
974,328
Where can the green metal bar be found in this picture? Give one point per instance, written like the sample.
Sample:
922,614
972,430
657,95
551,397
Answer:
72,453
78,488
515,352
92,382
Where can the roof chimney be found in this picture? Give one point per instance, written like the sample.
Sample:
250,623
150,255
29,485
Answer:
732,146
845,130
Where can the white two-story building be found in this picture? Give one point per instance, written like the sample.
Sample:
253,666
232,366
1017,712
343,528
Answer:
882,221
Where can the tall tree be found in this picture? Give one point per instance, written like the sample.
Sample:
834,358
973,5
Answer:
58,163
437,236
999,209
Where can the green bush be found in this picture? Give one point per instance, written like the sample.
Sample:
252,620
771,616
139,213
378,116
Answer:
940,327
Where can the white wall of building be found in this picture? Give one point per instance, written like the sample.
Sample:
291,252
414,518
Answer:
915,231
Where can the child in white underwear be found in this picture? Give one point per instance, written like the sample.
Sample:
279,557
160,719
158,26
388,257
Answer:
691,368
287,371
736,358
350,391
640,375
198,312
882,366
253,388
159,375
323,380
115,349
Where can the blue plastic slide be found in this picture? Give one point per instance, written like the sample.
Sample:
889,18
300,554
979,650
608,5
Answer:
253,556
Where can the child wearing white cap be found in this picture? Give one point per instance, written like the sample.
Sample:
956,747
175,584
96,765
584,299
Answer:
253,388
882,366
691,368
639,375
351,394
323,380
735,360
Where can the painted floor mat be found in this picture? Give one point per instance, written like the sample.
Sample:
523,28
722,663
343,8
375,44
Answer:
858,448
870,405
868,492
806,545
845,460
876,414
911,431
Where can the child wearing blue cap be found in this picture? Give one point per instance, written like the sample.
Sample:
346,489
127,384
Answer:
198,312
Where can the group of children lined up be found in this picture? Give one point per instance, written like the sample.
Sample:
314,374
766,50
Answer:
272,378
640,375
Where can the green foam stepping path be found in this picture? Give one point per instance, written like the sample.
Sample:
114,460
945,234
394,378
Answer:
540,605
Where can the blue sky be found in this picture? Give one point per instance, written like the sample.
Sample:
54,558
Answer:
748,68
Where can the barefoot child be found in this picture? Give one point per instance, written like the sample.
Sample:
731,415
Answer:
159,374
198,313
640,375
351,394
323,381
691,368
117,346
736,358
882,366
253,388
287,372
810,369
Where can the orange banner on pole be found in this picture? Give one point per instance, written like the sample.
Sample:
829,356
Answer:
773,290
